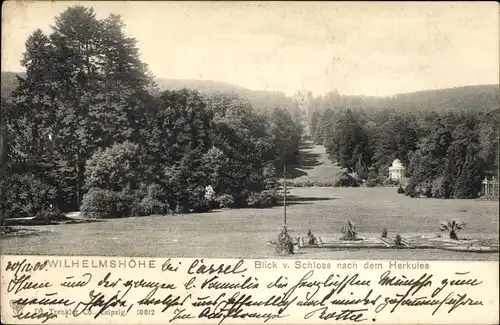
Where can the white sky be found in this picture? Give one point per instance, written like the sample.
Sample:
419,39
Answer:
358,48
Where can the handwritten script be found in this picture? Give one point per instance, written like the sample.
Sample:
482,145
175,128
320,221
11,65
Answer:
185,291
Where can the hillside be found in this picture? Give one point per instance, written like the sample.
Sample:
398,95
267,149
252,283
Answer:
468,97
482,97
460,98
200,85
260,100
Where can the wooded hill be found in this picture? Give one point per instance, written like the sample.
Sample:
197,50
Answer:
459,98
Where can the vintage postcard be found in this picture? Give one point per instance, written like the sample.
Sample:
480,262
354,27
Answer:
169,162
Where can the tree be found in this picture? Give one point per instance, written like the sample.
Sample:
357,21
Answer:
178,138
350,144
394,139
244,145
85,85
313,123
488,138
428,161
286,136
116,168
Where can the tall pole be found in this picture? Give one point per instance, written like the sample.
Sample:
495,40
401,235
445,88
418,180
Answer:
284,192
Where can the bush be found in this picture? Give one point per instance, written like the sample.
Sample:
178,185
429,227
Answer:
225,201
441,188
417,188
452,226
196,201
345,180
25,195
310,183
349,232
384,233
374,179
398,240
401,190
264,199
149,199
284,244
98,203
311,239
410,190
148,206
390,182
370,182
50,213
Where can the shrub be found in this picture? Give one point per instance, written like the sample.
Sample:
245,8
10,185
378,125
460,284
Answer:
390,182
209,193
310,183
384,233
374,179
345,180
284,244
370,182
25,195
441,188
98,203
401,190
225,201
417,188
264,199
348,232
149,199
197,202
452,226
148,206
50,213
410,191
311,237
398,240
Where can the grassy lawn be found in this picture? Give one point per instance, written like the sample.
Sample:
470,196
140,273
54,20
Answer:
313,165
247,232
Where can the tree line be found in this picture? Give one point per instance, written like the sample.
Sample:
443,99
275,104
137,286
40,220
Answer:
447,153
87,128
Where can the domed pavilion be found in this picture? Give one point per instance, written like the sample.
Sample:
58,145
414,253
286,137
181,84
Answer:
397,170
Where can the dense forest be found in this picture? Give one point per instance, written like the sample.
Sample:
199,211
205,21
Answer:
447,151
87,128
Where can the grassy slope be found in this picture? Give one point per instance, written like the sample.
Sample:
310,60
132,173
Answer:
313,165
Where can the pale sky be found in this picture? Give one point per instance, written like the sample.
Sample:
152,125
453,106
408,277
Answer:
357,47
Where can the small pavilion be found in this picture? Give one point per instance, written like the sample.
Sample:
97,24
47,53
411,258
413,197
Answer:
489,187
397,170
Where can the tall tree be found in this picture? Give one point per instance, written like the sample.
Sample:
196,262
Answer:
85,86
351,143
395,138
178,137
286,136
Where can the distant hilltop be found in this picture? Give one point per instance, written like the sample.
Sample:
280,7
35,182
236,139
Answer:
261,100
458,98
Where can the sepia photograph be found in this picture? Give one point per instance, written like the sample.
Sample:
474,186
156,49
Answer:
252,130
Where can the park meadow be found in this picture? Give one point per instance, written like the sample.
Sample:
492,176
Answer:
100,156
